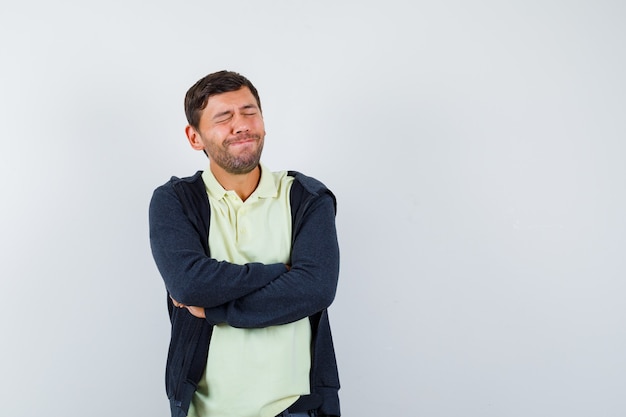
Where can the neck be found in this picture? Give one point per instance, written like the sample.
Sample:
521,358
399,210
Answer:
242,184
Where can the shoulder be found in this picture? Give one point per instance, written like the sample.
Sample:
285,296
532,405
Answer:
179,187
175,181
309,184
181,182
305,187
182,195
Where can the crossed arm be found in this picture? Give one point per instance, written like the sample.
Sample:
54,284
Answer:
250,295
196,311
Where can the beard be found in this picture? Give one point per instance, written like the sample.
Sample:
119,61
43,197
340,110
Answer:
243,162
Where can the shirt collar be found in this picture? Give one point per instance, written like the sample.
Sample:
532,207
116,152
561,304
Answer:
265,189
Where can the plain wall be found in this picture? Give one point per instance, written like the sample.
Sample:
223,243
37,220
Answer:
476,150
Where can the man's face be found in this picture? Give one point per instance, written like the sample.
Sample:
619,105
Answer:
231,131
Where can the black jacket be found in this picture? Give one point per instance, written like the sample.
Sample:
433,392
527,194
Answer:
247,296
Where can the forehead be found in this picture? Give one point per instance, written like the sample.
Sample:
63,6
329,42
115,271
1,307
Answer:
237,98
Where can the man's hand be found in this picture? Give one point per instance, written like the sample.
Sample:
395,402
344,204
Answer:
195,311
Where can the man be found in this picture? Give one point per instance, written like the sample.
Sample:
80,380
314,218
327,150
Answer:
250,262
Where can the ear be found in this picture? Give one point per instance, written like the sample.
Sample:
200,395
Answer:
194,138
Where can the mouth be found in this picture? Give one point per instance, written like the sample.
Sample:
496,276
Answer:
238,143
242,140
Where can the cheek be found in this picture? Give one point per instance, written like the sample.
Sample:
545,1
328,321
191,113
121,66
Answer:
260,126
215,135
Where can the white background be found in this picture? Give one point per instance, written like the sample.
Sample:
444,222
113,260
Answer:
476,149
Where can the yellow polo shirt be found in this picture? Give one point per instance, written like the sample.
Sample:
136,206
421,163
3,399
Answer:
253,372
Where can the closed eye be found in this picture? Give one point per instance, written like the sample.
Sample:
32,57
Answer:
249,110
223,117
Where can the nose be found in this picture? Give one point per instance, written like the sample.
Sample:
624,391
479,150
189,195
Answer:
240,124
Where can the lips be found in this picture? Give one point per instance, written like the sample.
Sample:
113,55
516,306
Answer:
241,140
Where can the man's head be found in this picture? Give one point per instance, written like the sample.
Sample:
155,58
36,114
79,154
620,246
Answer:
225,121
219,82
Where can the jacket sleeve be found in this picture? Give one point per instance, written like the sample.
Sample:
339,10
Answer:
180,251
307,288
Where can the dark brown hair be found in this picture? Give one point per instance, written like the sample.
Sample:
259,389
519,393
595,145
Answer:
219,82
